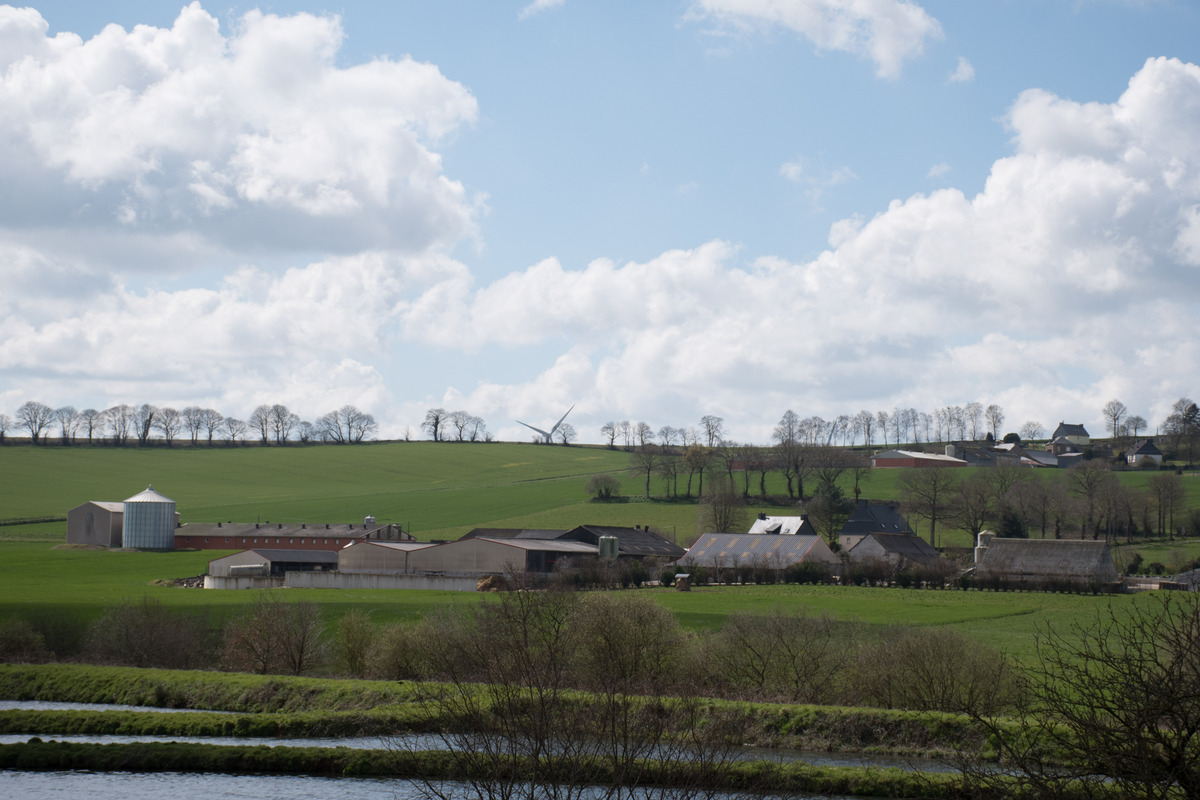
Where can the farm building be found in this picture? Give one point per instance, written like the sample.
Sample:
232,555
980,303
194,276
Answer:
1045,564
786,526
97,522
264,562
1144,453
913,458
149,522
872,518
496,556
375,557
1074,434
230,535
733,550
898,549
636,542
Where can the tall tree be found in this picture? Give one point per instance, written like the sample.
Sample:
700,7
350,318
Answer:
928,493
1114,411
169,422
144,421
1031,429
435,418
1088,481
260,422
995,418
35,417
645,462
68,419
713,427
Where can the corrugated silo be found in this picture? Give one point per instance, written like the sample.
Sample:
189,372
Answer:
149,522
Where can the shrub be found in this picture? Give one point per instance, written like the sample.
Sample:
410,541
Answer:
20,643
147,634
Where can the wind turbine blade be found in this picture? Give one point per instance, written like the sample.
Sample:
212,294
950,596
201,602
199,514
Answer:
560,420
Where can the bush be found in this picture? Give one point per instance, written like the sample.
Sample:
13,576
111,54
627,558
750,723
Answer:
20,643
603,486
147,634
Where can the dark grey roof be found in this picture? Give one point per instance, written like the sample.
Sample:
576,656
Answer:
908,545
630,541
875,518
728,549
297,556
1145,447
1068,429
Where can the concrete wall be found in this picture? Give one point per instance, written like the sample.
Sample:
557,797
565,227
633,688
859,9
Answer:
215,582
343,580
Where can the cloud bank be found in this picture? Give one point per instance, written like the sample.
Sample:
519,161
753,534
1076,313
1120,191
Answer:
301,208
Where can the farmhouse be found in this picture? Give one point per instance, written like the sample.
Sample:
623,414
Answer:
1045,564
1074,434
1144,453
872,518
734,550
897,549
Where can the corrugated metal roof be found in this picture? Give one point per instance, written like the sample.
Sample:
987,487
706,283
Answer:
787,526
405,546
724,549
149,496
108,505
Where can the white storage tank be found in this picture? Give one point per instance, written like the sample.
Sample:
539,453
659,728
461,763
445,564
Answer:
149,522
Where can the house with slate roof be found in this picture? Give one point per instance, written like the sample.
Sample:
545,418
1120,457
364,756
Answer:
872,518
1075,434
786,526
897,549
1144,453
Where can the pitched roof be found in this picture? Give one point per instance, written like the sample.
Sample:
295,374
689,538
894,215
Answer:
1145,447
630,541
1047,558
788,526
875,518
1069,429
908,545
514,533
724,549
296,556
887,455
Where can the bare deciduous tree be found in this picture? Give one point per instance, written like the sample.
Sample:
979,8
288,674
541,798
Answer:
928,493
35,417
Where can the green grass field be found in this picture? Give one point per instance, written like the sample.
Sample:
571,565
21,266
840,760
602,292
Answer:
437,491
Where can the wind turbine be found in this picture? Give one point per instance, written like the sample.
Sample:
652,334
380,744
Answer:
549,435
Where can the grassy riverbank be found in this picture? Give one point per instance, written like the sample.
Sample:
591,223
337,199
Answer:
286,707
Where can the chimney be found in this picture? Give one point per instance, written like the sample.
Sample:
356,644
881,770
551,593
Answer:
762,515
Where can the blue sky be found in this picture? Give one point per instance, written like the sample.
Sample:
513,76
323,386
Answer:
656,211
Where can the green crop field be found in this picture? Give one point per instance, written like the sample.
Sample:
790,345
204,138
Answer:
436,490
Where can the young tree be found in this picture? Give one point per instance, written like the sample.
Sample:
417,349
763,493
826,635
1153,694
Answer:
604,486
235,428
645,462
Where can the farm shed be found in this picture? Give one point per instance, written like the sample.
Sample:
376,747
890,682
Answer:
1047,564
732,550
514,533
785,526
271,562
97,522
636,542
374,557
913,458
480,556
895,548
281,536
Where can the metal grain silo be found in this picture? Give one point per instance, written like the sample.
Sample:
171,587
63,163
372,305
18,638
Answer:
149,522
